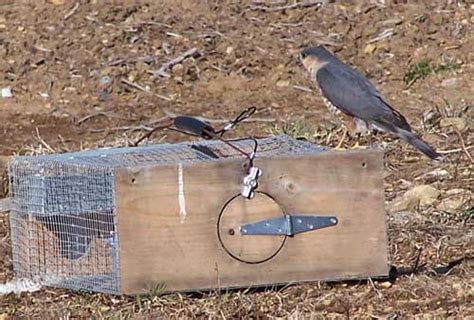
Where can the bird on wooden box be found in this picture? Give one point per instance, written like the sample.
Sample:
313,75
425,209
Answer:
355,101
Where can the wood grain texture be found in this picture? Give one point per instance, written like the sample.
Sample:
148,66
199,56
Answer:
156,246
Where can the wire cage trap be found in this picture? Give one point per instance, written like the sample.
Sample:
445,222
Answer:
64,207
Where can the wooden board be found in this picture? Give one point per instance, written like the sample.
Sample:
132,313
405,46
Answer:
160,243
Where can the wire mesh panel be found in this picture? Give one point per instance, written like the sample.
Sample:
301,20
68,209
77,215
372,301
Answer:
63,214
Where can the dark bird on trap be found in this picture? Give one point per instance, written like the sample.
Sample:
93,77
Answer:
355,101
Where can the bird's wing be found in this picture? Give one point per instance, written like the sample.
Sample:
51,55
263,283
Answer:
351,92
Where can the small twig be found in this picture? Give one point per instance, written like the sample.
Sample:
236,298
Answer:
306,89
152,23
47,146
156,128
372,284
384,34
444,112
166,67
417,261
172,34
141,88
454,150
297,5
123,128
146,59
42,49
208,120
92,115
463,144
73,10
282,24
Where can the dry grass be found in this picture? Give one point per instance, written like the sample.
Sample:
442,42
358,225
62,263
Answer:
431,254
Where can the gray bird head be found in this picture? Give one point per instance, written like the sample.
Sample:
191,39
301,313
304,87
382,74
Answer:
314,58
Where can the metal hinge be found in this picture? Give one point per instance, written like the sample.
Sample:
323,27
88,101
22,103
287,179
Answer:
288,225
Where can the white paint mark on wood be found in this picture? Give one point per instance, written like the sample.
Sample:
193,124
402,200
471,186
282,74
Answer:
181,199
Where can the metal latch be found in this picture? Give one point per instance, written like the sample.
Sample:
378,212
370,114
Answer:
250,182
288,225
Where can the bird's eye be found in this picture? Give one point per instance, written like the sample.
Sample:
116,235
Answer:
303,55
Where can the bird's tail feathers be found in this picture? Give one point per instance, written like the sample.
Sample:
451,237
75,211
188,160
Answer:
418,143
411,138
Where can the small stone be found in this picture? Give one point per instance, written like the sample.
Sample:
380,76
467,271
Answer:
426,194
7,92
283,83
229,50
420,195
141,67
327,302
439,173
451,82
385,285
177,68
275,105
105,80
455,200
459,123
451,205
281,66
370,48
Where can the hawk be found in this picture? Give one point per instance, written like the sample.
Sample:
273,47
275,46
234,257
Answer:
355,101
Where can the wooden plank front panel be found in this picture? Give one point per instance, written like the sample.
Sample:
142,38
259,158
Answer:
160,245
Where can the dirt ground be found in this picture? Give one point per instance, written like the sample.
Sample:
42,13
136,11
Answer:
58,55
